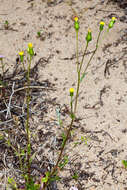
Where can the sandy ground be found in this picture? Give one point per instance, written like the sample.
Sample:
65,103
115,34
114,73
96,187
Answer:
102,106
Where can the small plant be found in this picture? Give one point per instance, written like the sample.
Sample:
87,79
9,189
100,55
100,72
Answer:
62,161
29,183
80,76
39,34
83,139
12,183
6,25
75,176
124,162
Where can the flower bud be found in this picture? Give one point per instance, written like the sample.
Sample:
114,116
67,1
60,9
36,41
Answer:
89,36
71,92
30,49
21,54
112,22
101,25
76,24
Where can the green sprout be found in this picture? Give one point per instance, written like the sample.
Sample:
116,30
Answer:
83,139
124,162
75,176
39,34
6,25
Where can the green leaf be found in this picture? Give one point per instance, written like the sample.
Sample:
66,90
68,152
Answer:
64,162
76,143
12,182
2,83
64,138
45,179
55,178
72,116
8,142
82,77
32,157
124,162
29,149
75,176
22,152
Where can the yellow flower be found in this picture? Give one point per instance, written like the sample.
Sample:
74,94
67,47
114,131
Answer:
102,23
112,22
71,91
30,45
21,53
30,49
76,19
76,23
114,18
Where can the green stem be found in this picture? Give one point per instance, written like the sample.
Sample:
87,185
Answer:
71,103
2,64
27,121
93,53
79,76
77,50
54,170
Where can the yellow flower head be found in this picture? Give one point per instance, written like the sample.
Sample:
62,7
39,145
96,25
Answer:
102,23
71,90
21,53
30,45
30,49
114,18
76,19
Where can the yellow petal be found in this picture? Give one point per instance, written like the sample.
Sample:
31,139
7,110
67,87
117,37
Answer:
71,90
30,45
102,23
114,18
76,18
21,53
